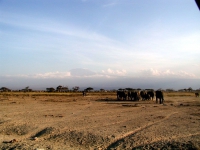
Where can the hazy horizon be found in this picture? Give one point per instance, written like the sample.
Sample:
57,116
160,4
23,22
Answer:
85,78
99,43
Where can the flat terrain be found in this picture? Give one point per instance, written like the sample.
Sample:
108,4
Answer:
98,121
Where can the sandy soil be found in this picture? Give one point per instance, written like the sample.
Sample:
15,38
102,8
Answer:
98,122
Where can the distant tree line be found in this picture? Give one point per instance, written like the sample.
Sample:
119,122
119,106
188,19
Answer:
90,89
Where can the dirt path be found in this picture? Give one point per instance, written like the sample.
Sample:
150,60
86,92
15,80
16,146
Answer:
131,133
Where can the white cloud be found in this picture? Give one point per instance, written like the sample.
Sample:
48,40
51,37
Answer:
98,51
149,72
44,75
114,72
77,73
53,75
111,73
50,26
110,4
165,73
186,74
82,72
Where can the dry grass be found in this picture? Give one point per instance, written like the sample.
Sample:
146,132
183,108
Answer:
179,94
55,94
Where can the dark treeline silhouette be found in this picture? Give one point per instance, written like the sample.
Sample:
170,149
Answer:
61,88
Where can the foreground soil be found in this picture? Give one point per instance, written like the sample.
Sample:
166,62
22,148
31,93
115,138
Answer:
53,122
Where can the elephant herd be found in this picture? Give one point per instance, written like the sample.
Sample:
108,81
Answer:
140,95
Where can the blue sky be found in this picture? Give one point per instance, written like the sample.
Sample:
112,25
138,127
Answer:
96,42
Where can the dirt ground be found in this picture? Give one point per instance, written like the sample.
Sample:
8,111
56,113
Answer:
96,122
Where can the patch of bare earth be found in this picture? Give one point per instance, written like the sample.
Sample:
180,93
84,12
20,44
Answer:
98,122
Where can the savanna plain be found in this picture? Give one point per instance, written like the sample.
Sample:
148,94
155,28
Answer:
98,121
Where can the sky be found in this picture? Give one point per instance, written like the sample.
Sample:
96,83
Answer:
99,43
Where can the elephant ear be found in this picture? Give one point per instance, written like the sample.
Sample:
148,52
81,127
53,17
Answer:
198,3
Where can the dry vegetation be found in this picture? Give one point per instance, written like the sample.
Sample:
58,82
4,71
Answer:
98,121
